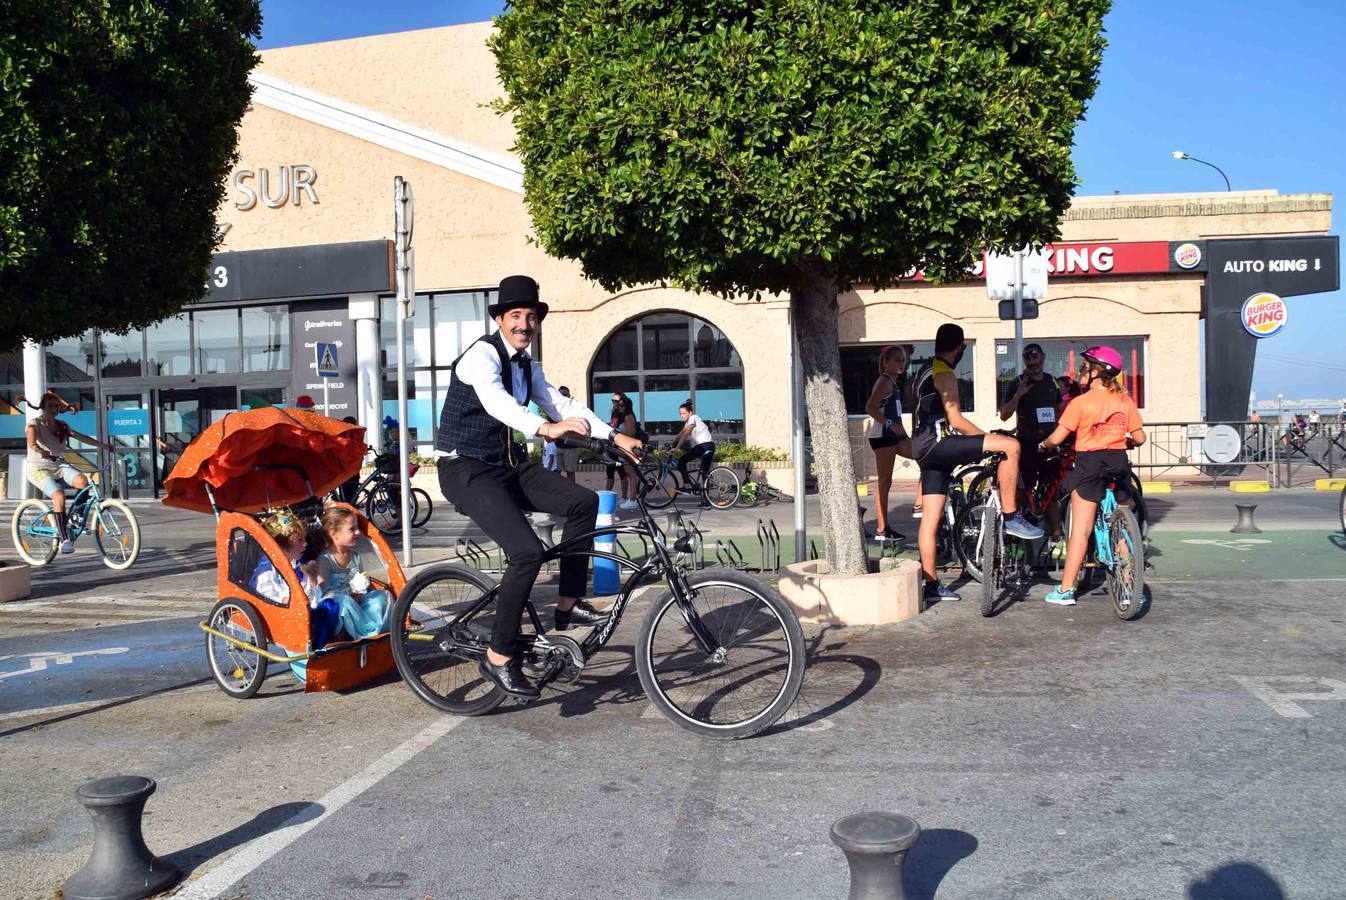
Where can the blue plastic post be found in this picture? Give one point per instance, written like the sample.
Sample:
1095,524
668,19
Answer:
607,576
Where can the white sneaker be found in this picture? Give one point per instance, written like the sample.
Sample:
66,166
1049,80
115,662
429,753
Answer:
67,547
628,504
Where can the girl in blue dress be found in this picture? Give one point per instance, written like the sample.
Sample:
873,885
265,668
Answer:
268,581
363,612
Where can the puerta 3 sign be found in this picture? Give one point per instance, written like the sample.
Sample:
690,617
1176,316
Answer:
1236,269
328,321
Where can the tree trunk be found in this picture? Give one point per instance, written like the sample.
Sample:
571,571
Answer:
813,301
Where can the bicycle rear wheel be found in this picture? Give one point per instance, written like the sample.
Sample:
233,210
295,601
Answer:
750,677
117,533
1343,510
992,559
440,666
384,507
35,533
967,538
662,492
1126,578
721,489
423,506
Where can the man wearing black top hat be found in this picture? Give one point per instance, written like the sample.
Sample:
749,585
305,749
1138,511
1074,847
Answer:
490,479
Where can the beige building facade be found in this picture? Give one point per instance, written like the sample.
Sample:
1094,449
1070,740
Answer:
332,124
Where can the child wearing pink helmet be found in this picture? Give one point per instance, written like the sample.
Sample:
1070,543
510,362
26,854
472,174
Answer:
1106,423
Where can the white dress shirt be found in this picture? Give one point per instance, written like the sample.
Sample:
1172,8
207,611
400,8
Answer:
480,367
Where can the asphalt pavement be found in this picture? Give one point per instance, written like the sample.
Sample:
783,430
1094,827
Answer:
1046,752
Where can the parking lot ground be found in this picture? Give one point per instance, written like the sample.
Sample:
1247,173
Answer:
1047,752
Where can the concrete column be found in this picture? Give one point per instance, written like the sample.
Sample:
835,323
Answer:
34,386
364,310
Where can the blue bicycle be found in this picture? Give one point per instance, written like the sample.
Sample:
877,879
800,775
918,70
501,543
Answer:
1116,546
36,537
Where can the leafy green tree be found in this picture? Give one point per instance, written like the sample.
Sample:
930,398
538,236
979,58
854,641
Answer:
118,125
800,146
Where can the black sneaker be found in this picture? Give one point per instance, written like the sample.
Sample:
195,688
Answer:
509,678
934,590
890,534
582,613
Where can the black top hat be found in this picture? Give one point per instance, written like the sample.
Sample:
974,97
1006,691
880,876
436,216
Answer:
517,291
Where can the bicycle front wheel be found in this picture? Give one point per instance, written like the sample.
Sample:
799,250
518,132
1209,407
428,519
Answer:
749,675
35,533
437,662
423,505
117,533
722,487
992,559
1126,578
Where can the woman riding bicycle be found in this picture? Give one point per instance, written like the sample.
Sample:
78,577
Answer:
47,465
700,446
1106,423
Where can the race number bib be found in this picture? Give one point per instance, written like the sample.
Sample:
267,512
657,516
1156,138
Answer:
1046,415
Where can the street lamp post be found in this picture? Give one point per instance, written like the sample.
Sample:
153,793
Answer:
1179,154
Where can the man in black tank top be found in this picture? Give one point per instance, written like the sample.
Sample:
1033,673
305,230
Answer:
943,439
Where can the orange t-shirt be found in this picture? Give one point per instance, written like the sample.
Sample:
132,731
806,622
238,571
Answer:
1101,420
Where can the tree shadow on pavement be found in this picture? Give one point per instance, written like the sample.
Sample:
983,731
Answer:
101,707
932,857
268,820
1236,881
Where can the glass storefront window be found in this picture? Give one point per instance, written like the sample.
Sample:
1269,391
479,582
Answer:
860,369
663,340
1063,361
71,359
422,411
266,338
618,353
169,346
217,341
459,319
682,358
418,329
123,355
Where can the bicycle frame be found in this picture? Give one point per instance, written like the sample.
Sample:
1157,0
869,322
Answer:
660,563
90,498
1102,546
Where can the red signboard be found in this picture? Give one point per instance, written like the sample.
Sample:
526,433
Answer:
1091,259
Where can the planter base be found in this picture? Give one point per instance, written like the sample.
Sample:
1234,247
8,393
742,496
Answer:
879,598
15,581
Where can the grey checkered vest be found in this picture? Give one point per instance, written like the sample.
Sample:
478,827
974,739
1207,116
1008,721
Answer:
467,428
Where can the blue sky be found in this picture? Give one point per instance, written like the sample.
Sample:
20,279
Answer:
1250,85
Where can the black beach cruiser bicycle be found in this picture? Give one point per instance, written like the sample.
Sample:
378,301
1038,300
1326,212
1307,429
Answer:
719,653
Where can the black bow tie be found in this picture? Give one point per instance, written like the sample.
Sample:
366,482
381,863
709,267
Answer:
520,356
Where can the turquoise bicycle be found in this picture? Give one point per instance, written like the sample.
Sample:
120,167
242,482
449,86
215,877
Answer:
1116,546
116,531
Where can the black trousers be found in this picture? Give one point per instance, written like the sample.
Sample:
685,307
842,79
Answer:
704,453
496,498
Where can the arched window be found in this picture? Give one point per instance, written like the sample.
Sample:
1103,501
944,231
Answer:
662,359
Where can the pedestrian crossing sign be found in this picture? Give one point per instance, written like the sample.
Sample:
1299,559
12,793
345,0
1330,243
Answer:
325,356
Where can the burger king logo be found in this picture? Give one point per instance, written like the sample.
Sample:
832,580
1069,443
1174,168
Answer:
1187,256
1264,314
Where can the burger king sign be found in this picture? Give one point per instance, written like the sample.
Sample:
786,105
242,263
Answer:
1264,314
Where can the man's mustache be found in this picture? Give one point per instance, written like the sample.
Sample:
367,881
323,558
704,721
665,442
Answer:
523,332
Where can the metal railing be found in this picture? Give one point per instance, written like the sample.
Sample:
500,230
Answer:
1283,454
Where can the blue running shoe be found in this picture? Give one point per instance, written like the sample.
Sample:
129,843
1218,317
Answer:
1061,597
1020,527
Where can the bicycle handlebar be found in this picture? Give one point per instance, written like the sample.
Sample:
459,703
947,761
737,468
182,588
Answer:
597,445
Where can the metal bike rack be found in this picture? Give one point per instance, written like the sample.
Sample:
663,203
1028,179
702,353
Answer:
768,541
728,555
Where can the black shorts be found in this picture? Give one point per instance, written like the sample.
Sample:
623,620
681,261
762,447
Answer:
955,450
1088,476
888,440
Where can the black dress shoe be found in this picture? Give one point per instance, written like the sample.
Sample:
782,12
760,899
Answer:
582,613
509,678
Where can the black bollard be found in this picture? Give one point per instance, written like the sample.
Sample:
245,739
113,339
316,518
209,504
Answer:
121,867
875,845
1245,523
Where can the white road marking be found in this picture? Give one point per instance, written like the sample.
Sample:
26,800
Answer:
241,864
1283,702
38,662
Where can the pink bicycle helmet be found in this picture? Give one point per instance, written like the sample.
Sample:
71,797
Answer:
1105,356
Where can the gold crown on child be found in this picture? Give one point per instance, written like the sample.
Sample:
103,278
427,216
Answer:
278,521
